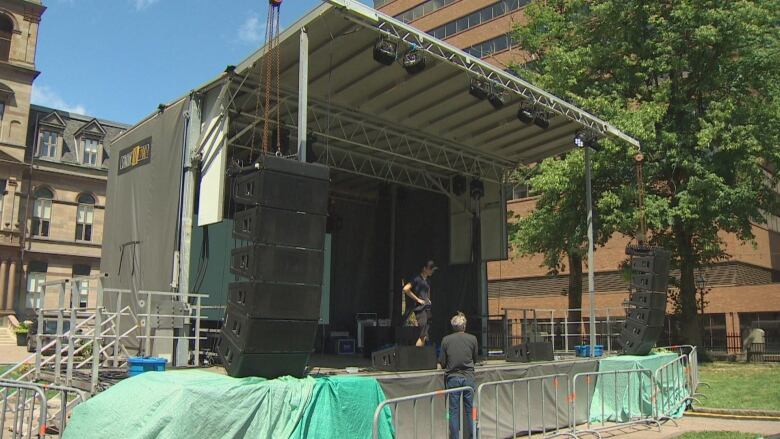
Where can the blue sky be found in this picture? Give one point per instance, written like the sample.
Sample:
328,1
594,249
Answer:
118,59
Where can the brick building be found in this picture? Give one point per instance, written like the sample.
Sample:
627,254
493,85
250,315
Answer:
742,291
52,175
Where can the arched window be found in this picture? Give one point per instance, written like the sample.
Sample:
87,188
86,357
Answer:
6,32
41,217
84,215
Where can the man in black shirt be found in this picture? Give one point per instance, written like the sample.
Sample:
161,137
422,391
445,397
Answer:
420,291
457,357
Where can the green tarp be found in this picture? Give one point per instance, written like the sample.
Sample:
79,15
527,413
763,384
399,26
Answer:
198,404
621,397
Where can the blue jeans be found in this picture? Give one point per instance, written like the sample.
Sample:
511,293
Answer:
455,381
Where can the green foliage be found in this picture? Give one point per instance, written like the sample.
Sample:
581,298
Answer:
698,83
23,328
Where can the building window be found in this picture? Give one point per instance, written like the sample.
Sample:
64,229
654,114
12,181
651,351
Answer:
6,32
48,144
84,215
36,277
477,17
489,47
422,9
82,285
90,152
41,217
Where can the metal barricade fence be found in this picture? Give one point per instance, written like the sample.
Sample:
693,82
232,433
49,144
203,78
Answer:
433,431
624,401
19,401
546,384
673,379
69,398
692,372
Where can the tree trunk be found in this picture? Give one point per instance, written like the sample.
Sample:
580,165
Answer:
691,330
575,291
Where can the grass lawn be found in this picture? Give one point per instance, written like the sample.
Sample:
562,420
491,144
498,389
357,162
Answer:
740,386
718,435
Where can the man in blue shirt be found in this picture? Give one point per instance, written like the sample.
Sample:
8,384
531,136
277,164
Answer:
420,291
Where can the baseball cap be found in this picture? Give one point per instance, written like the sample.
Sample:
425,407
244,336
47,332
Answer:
430,264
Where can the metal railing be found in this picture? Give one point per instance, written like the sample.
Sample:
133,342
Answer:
555,326
99,338
18,401
621,413
674,381
546,384
398,421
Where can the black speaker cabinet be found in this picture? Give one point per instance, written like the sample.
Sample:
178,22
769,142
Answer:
647,316
266,225
650,268
239,364
285,184
404,358
534,351
268,335
278,264
648,299
638,338
262,300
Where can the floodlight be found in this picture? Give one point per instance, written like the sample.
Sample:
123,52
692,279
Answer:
413,61
385,52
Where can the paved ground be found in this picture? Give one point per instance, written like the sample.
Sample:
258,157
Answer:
12,354
697,423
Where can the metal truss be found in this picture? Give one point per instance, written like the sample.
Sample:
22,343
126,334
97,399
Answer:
399,31
381,141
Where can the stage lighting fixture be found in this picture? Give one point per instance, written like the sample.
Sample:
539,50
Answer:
497,97
542,120
526,114
479,89
413,61
385,52
587,139
477,189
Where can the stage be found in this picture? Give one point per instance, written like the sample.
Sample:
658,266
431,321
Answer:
335,403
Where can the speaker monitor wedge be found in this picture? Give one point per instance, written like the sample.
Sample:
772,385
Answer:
403,358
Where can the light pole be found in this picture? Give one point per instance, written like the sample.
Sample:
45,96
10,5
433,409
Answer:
587,142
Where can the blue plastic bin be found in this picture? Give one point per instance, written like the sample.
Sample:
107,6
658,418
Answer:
139,365
584,350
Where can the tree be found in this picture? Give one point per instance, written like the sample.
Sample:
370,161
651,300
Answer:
557,228
697,83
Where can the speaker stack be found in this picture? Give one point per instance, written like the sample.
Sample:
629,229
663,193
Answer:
647,301
272,315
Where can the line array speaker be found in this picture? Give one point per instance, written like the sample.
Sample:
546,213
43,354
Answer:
271,318
647,301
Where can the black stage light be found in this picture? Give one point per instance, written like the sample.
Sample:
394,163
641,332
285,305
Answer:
385,52
542,120
413,61
526,114
477,189
479,89
586,139
497,97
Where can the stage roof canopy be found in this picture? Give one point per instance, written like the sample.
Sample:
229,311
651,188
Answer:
376,120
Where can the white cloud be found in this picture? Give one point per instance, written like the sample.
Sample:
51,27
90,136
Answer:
45,96
143,4
251,30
